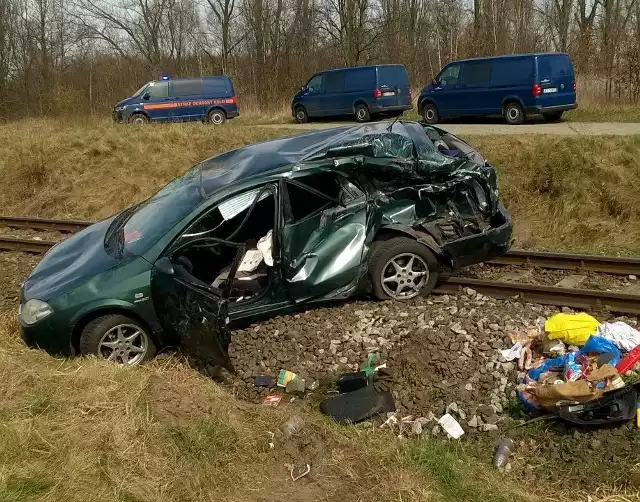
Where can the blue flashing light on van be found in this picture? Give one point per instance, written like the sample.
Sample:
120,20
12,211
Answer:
514,87
210,99
362,91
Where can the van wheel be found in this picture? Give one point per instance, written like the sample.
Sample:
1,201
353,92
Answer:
552,117
117,338
401,268
513,113
216,117
301,115
430,113
362,113
138,119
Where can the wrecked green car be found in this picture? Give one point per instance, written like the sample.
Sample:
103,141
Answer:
382,208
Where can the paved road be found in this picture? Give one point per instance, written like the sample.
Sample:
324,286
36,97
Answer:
493,129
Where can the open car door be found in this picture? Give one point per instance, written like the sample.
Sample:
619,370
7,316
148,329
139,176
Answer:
191,310
322,251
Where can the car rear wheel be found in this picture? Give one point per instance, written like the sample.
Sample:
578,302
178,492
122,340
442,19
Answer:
401,268
552,117
117,338
513,113
216,117
301,115
138,119
362,113
430,114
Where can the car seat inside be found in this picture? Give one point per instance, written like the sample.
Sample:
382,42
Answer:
247,220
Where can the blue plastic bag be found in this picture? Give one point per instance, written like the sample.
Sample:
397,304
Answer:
601,345
555,364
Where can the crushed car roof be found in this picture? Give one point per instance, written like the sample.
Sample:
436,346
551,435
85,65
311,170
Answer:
261,158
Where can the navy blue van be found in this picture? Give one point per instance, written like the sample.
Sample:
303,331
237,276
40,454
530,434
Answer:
511,86
211,99
361,91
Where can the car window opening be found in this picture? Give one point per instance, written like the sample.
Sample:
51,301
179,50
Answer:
247,220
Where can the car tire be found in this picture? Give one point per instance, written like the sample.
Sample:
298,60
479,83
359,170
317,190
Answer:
117,338
552,117
513,113
216,117
362,113
139,119
301,115
430,113
402,251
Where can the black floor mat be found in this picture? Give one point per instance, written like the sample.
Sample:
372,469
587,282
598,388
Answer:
358,405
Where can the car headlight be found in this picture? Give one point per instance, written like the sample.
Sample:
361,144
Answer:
34,311
120,108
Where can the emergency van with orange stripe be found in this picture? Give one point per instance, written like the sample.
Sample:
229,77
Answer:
209,99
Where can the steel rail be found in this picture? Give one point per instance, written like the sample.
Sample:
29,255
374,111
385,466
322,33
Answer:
26,245
584,299
570,261
67,226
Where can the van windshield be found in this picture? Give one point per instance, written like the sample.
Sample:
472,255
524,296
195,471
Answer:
140,91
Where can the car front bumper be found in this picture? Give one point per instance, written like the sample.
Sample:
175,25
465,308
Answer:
48,335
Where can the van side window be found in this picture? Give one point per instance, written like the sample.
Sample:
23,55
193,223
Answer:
315,84
475,73
215,86
186,87
450,76
359,79
159,90
334,81
512,71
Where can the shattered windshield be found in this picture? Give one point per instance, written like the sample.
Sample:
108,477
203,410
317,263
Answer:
153,218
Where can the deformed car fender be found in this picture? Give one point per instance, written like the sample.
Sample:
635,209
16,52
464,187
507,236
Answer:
422,237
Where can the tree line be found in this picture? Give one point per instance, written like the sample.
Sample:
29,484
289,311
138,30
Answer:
82,56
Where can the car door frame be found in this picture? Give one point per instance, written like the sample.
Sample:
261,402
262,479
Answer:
179,315
445,96
312,101
158,109
355,204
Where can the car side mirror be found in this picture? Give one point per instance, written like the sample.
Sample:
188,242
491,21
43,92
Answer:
164,266
146,96
435,82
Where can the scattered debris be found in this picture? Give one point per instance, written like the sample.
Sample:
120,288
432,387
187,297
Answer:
451,426
264,381
285,376
292,426
299,471
504,449
272,400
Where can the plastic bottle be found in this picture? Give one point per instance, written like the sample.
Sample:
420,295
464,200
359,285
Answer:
501,458
292,426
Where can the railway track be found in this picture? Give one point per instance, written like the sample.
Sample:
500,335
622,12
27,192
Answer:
586,299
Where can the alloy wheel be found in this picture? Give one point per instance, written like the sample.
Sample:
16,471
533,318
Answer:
404,275
126,344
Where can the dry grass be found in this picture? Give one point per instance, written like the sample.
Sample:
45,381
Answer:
78,430
570,193
64,168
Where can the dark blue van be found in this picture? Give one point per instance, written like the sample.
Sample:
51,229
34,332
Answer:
361,91
511,86
211,99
